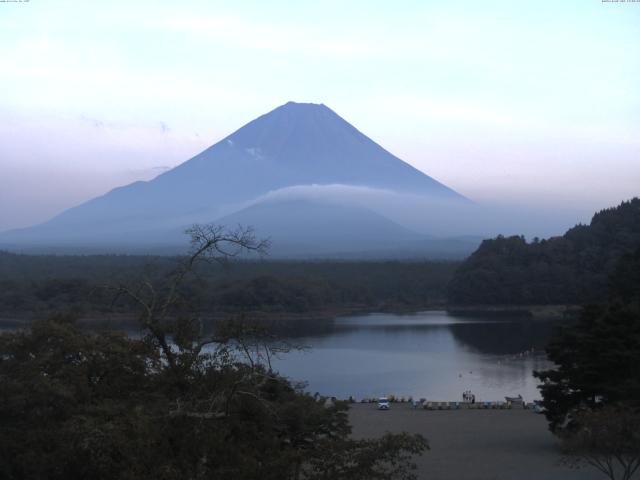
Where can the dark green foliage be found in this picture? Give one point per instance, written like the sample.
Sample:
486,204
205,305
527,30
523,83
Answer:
598,359
77,405
572,269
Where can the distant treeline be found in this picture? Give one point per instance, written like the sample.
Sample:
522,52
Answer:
33,284
571,269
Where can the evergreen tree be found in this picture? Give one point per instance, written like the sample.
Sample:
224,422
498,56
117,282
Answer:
598,359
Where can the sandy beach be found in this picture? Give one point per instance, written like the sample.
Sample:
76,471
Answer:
474,444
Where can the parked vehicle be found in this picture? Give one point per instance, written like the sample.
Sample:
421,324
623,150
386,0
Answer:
383,403
538,407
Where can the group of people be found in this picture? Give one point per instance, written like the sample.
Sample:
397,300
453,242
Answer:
468,397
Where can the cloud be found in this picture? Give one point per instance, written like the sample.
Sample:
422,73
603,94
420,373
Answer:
431,215
327,192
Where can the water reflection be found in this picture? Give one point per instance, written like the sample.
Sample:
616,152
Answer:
431,354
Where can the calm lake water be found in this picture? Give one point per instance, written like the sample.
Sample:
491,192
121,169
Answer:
430,355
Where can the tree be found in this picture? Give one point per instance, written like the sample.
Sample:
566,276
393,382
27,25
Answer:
607,439
176,403
592,397
597,359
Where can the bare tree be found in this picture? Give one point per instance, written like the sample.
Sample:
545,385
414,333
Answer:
159,315
608,439
179,333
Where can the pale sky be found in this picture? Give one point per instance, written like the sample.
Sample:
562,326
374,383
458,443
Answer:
527,102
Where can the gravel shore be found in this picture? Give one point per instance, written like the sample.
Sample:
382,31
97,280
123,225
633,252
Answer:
474,444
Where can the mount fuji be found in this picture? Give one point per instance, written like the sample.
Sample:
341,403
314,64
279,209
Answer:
279,173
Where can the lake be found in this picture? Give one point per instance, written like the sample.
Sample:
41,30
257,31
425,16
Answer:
431,355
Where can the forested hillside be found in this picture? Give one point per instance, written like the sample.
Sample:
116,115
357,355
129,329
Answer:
571,269
34,284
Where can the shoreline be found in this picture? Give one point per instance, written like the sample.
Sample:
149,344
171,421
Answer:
128,321
535,312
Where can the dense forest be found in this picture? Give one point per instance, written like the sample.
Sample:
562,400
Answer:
40,284
571,269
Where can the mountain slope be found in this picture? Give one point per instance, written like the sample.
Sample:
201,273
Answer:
295,144
298,227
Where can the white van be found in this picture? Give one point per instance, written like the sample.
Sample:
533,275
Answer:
383,403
